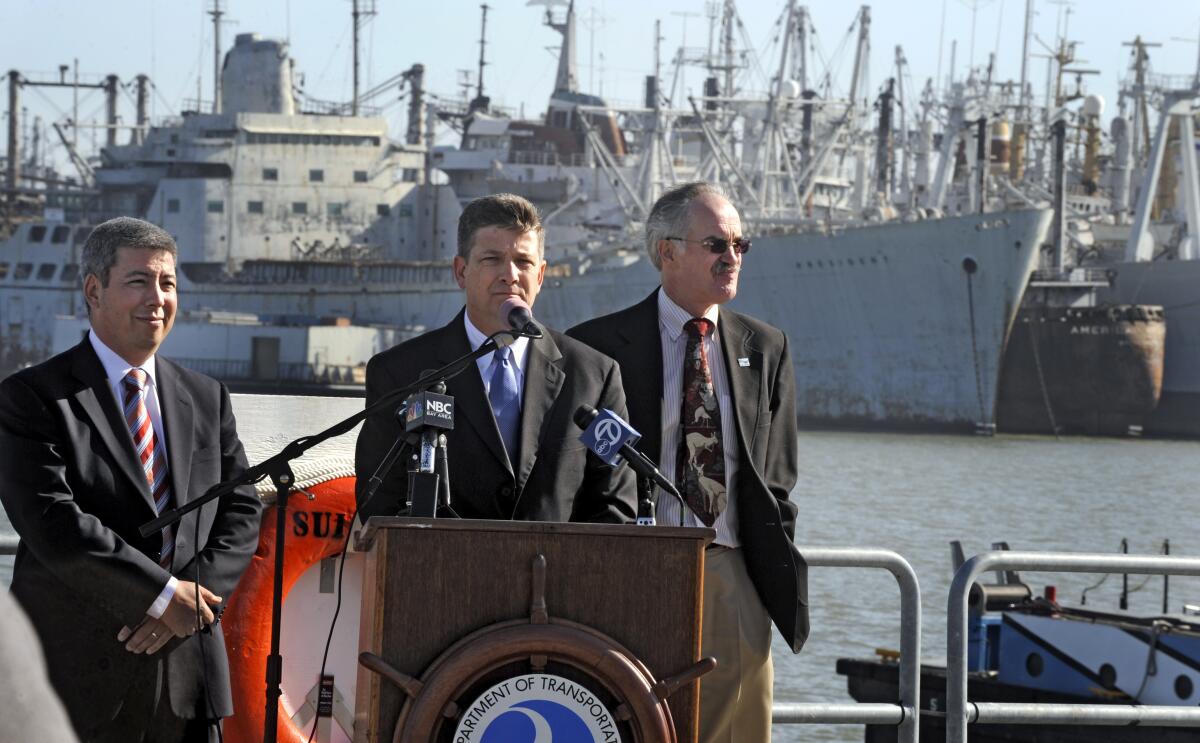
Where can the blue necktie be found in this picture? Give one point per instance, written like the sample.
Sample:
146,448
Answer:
506,400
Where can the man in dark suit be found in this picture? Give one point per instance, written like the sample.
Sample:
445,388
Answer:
514,452
713,393
95,442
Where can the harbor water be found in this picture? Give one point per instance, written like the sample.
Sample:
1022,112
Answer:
915,493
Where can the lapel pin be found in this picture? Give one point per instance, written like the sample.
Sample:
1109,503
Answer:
743,361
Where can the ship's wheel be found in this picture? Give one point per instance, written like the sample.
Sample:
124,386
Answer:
525,678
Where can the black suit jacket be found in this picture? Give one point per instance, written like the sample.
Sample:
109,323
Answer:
764,397
555,479
74,490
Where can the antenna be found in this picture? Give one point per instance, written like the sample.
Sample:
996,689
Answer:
592,21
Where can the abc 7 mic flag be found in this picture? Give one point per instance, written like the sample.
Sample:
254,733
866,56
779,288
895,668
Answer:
606,434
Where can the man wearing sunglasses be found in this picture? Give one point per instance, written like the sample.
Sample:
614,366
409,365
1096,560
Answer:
713,393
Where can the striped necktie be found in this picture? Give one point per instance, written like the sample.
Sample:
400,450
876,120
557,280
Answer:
150,451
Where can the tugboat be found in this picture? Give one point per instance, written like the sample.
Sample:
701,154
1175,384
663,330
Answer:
1023,648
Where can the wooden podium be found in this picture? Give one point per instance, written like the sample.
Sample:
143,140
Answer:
459,615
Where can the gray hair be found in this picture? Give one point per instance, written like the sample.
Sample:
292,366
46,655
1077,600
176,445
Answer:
100,249
504,210
669,215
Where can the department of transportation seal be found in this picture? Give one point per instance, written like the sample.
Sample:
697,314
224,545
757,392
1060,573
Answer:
537,708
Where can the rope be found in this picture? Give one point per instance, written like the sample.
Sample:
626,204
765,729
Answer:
1037,363
309,474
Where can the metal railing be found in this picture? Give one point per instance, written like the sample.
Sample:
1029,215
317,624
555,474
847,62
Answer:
905,713
960,712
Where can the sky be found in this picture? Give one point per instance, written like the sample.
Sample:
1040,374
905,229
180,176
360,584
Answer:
171,41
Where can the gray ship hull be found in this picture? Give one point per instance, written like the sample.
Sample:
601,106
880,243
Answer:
887,328
1176,286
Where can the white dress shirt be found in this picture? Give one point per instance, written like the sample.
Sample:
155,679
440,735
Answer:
116,369
671,321
519,350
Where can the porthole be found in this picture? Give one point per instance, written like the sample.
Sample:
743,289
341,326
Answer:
1034,665
1183,687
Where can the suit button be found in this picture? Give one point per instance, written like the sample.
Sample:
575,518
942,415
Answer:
506,491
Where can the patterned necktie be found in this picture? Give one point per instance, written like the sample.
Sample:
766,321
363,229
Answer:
506,400
700,463
150,451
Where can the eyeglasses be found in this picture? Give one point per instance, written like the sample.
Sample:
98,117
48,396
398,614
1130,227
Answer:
718,245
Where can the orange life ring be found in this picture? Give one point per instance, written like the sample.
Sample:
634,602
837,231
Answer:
247,617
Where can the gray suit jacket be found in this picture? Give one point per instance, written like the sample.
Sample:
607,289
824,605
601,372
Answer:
555,477
764,397
75,493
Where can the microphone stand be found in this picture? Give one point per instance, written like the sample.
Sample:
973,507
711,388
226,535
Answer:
646,501
278,468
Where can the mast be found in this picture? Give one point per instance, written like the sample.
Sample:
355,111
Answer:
901,145
566,79
861,52
480,102
139,134
354,32
727,46
14,135
110,108
883,142
216,12
802,47
482,48
361,12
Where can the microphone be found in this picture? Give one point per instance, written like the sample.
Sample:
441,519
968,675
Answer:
515,313
611,438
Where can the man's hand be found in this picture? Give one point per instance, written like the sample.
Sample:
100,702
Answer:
180,616
149,637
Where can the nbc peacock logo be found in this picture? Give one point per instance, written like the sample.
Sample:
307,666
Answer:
537,708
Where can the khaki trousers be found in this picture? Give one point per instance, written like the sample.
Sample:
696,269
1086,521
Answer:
735,698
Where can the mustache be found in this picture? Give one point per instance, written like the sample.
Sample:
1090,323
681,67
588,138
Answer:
722,266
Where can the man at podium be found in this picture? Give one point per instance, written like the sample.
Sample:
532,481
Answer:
514,451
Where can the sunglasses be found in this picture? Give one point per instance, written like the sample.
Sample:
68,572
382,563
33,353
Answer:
718,245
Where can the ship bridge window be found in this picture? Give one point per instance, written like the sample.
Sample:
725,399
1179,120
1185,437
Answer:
172,206
70,272
22,271
360,176
216,207
37,233
382,210
60,234
46,271
299,207
316,176
270,174
3,270
254,207
351,140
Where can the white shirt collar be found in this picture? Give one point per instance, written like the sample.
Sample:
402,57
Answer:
476,338
672,317
115,367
